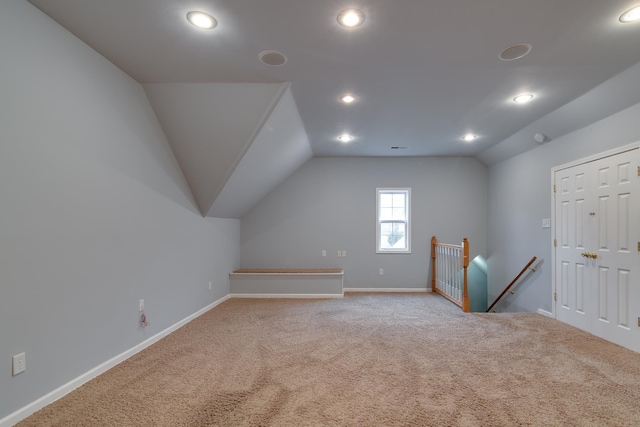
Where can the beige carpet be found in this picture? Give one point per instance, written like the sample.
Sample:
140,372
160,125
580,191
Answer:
365,360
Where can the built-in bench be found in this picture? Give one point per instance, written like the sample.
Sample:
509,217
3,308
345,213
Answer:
287,283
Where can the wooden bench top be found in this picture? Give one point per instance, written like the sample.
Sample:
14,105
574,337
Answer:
289,271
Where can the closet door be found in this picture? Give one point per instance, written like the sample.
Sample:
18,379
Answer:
615,271
573,304
597,259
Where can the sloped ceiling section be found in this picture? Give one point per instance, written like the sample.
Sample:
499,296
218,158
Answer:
278,150
614,95
210,127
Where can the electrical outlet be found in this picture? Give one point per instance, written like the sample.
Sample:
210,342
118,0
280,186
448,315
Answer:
339,253
141,305
19,363
381,272
344,254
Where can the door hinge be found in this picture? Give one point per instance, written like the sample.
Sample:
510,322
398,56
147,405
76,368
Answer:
555,296
638,246
555,243
638,170
554,186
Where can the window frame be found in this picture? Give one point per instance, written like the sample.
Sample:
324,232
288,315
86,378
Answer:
407,221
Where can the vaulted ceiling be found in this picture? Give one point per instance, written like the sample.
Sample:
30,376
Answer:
424,74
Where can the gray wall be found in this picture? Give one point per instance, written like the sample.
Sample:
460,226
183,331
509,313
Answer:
330,204
520,194
95,213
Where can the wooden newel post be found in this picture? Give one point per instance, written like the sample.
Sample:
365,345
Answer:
465,264
434,242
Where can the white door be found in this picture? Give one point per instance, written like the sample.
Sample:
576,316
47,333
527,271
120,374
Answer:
571,212
597,261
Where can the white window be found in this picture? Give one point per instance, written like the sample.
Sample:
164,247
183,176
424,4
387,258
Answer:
393,220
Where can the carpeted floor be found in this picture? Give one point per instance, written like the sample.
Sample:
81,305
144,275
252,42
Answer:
365,360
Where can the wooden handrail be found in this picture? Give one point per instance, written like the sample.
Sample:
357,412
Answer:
513,282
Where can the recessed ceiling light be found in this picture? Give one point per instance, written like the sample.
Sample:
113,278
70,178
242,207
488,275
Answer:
350,18
469,137
523,98
631,15
345,137
347,98
202,20
273,58
515,51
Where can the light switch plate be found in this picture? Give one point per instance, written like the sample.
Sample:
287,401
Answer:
546,223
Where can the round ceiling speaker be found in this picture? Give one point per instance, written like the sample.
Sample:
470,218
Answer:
515,51
272,58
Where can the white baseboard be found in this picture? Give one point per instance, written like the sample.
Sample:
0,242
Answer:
387,290
545,313
284,296
56,394
61,391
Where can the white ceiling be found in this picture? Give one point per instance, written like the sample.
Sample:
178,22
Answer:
425,71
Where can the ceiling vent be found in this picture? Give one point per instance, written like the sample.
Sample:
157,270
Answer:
272,58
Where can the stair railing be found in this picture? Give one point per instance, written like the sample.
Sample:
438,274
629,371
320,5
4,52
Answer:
513,282
449,271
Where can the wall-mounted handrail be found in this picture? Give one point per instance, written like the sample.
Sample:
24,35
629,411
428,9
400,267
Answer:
513,282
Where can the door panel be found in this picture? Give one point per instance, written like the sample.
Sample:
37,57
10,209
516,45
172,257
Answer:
617,264
578,224
603,294
624,320
578,292
602,223
564,285
571,215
